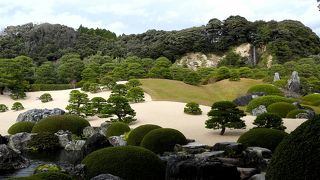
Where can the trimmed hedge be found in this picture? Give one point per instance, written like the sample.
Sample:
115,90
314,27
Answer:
262,137
117,129
46,97
53,124
127,162
44,141
266,101
281,108
50,87
163,140
312,99
269,120
297,156
17,106
19,127
292,114
136,135
266,88
45,176
3,108
192,108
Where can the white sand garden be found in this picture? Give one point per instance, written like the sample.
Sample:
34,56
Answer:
163,113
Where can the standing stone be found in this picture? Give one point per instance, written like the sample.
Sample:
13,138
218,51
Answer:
19,142
294,82
276,77
11,160
259,110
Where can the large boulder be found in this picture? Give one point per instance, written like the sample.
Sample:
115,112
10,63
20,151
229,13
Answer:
75,145
294,83
90,131
259,110
106,177
257,157
35,115
64,137
244,100
19,141
95,142
11,160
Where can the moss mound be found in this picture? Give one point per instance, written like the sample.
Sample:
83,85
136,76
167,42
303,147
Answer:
19,127
135,137
127,162
117,129
292,114
266,88
53,124
45,176
44,141
281,108
262,137
192,108
163,140
266,101
312,99
298,155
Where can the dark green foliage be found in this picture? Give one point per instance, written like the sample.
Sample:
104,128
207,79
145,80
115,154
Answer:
225,114
192,78
45,176
262,137
222,73
46,74
106,34
89,75
53,124
50,87
19,127
297,156
94,87
46,97
292,114
234,75
3,108
281,108
312,99
163,140
133,83
18,95
266,101
117,129
127,162
266,88
120,107
44,141
245,72
231,59
119,90
269,120
77,102
97,104
17,106
135,95
85,86
70,68
108,82
136,135
192,108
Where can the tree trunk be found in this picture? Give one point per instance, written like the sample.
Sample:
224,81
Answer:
1,90
222,131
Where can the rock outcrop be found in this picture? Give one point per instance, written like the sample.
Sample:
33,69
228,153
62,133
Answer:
95,142
35,115
64,137
11,160
19,142
75,145
294,83
259,110
244,100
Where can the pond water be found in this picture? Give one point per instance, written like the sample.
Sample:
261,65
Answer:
36,159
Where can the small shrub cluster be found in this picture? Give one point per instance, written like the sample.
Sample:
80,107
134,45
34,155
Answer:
266,101
281,108
292,114
117,129
46,97
18,95
133,83
135,95
17,106
312,99
192,78
262,137
136,135
192,108
266,88
44,141
50,87
24,126
269,120
3,108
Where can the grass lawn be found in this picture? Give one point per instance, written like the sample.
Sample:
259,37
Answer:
170,90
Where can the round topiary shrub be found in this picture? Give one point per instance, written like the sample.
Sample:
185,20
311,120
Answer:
269,89
266,101
44,141
135,137
46,97
192,108
17,106
45,176
53,124
292,114
163,140
281,108
19,127
3,108
297,156
269,120
262,137
117,129
127,162
312,99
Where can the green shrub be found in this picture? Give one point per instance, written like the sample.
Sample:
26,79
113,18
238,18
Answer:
19,127
44,141
46,97
311,99
50,87
85,87
192,78
269,120
297,156
282,83
126,162
17,106
136,135
192,108
266,88
135,95
53,124
117,129
3,108
266,101
222,73
94,87
262,137
281,108
163,140
133,83
292,114
45,176
245,72
47,168
234,75
18,95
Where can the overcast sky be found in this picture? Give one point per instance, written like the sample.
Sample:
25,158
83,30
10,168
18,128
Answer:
137,16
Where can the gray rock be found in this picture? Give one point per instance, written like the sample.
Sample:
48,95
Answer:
211,154
257,157
246,173
95,142
244,100
35,115
104,126
225,146
117,141
77,171
106,177
64,137
192,148
11,160
259,110
294,82
302,116
276,77
75,145
297,105
19,142
90,131
261,176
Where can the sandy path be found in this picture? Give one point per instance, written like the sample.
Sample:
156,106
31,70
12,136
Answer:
163,113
